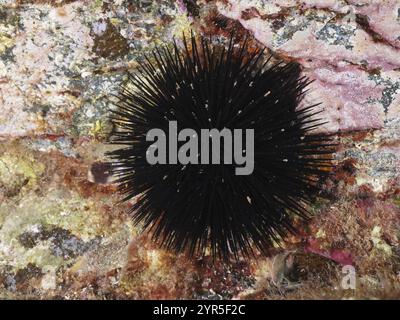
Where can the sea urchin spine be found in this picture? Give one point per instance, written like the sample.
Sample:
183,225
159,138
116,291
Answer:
192,207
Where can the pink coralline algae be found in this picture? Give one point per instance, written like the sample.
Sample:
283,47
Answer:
353,59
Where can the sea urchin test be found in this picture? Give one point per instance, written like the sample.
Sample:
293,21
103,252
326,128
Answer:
188,153
244,199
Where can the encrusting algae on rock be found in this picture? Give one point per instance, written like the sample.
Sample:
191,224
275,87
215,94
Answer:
62,235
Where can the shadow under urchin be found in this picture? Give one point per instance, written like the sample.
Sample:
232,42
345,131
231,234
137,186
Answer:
194,208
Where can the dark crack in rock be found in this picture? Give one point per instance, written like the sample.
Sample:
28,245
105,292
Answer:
363,22
99,172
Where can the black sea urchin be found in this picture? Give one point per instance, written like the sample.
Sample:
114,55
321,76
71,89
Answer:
192,207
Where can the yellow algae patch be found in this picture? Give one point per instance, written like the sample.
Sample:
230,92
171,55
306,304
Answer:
17,172
5,42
